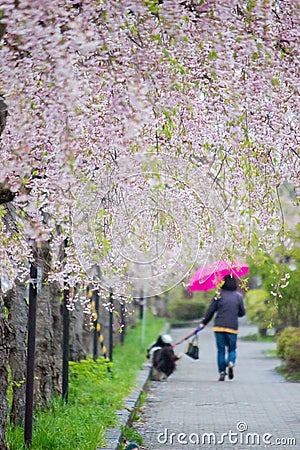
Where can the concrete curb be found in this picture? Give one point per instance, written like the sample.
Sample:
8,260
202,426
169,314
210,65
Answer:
113,436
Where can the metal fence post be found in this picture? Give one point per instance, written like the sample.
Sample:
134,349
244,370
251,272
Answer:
123,323
66,337
66,330
95,340
30,356
110,331
141,305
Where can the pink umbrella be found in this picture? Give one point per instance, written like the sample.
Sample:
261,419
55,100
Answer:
209,277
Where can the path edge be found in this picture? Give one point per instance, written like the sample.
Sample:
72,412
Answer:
113,436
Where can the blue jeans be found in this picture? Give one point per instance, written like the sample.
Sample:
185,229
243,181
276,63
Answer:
225,341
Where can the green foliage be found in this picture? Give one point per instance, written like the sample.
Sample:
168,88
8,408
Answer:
18,383
153,5
270,353
292,355
213,55
289,376
260,309
129,434
88,368
286,338
280,275
184,305
186,309
94,397
62,427
288,348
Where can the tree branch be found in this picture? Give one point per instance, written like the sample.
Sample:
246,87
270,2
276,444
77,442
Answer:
3,114
6,195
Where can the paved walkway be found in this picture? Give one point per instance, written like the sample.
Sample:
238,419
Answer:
256,410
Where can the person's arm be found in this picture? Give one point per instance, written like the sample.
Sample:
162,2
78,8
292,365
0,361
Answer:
242,309
210,312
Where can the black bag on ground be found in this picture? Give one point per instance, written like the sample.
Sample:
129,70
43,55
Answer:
192,349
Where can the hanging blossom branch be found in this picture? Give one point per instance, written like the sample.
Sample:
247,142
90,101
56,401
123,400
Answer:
169,77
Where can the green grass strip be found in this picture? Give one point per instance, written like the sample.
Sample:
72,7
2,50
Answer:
289,376
258,338
94,397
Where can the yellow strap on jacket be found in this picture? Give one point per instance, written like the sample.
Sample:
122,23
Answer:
227,330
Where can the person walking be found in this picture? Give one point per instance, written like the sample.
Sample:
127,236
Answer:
228,307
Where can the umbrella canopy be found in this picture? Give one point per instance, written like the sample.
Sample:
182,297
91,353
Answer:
209,277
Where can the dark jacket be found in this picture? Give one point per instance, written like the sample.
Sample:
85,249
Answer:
228,308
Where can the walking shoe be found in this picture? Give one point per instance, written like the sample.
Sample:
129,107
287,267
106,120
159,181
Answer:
230,370
222,376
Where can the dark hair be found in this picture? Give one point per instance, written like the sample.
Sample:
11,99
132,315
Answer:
230,283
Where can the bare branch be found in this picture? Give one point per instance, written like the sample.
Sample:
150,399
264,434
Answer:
3,113
6,195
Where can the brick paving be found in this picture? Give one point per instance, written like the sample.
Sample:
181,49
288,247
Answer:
193,402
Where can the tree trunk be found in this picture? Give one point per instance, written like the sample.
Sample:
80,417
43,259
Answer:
47,360
43,360
55,301
262,332
4,327
87,338
18,320
48,336
76,333
4,358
